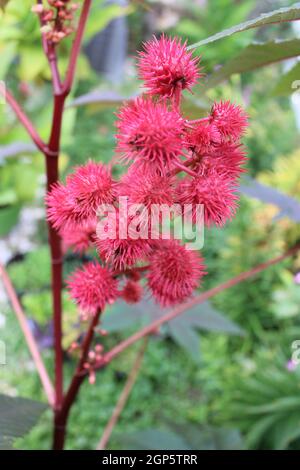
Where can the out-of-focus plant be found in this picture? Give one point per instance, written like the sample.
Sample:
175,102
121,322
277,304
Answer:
155,136
264,402
18,415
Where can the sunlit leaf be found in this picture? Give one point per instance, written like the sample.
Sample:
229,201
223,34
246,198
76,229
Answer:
289,82
277,16
255,56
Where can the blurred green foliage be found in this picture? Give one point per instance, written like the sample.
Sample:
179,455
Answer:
238,382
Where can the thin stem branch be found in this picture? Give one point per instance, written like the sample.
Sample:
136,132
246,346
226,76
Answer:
78,377
32,345
124,396
182,167
23,118
50,53
138,269
106,358
76,46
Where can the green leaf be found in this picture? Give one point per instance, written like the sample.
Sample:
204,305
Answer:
184,437
7,52
277,16
289,82
287,431
33,273
183,330
205,317
276,406
8,197
32,63
156,439
8,218
259,428
120,316
186,337
17,416
255,56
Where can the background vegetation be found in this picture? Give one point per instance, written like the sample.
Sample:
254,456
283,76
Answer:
228,382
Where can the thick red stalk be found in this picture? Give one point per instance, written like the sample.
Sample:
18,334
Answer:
55,246
51,152
78,377
54,240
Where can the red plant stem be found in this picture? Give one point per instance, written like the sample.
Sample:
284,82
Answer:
189,304
55,73
52,173
51,153
76,46
78,377
29,338
23,118
50,52
177,96
205,119
138,269
63,405
184,167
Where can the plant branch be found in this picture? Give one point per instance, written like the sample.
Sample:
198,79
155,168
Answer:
189,304
32,345
23,118
52,173
184,167
52,154
50,53
78,377
124,396
76,46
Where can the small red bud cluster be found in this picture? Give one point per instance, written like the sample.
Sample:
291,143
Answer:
56,19
93,359
173,161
